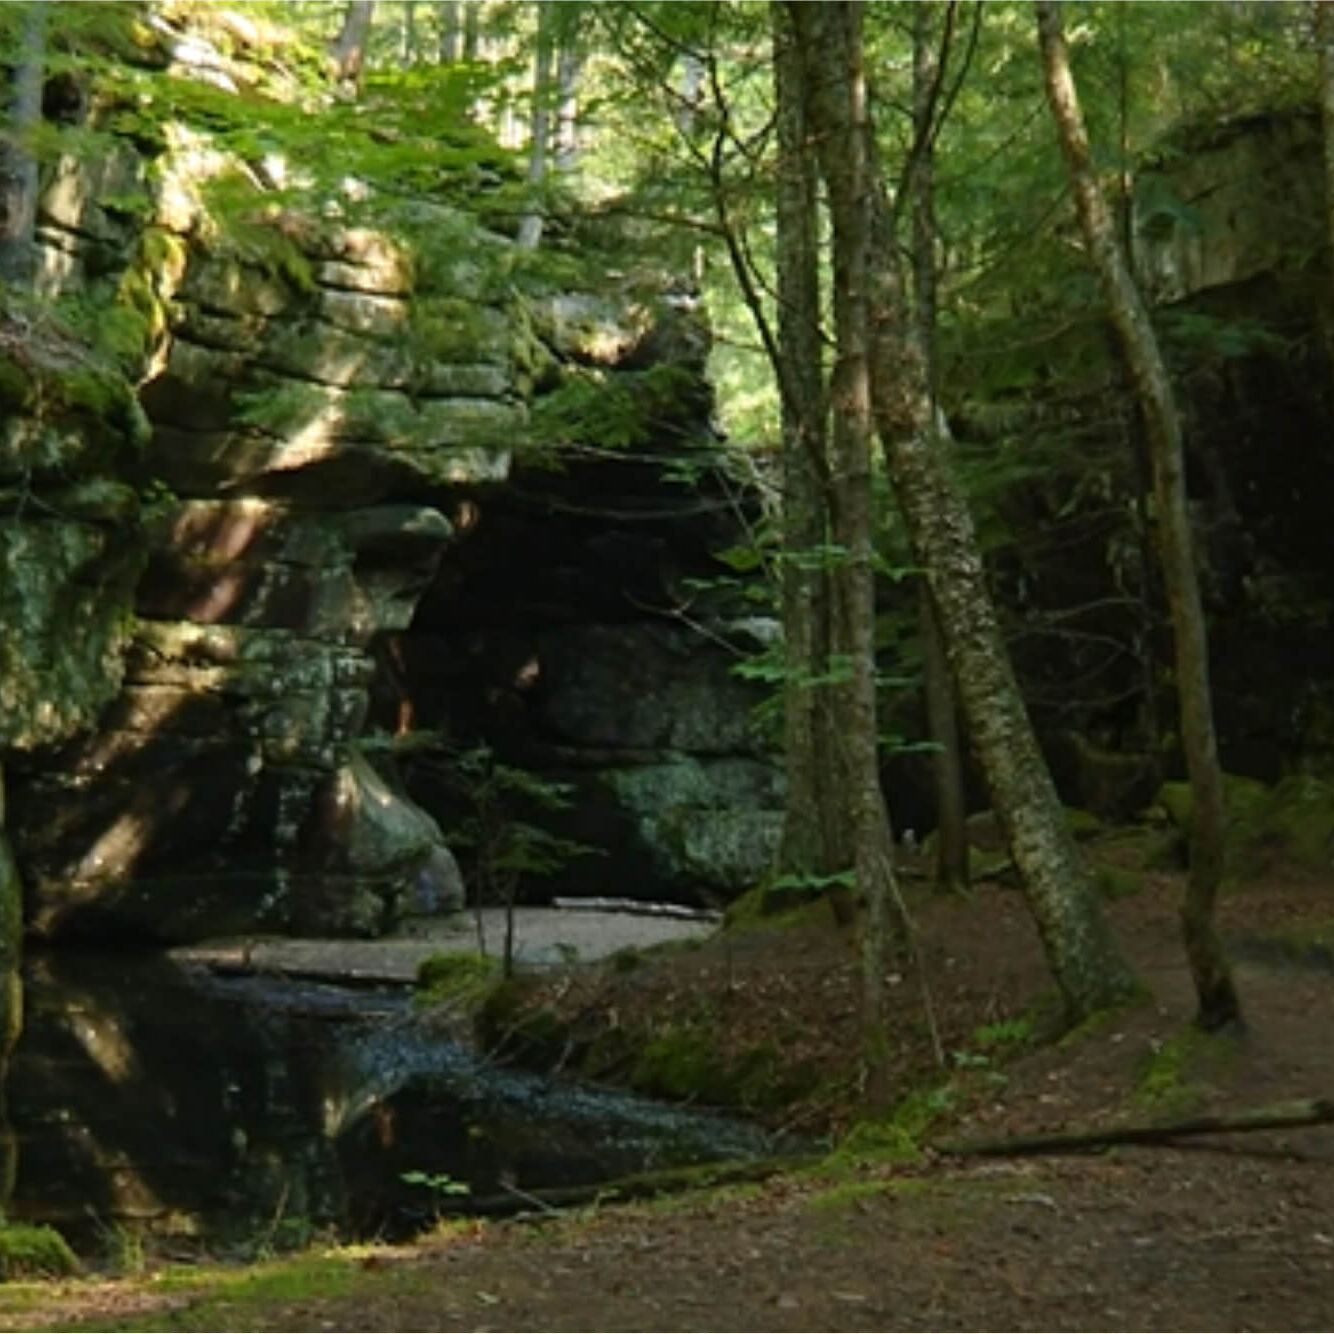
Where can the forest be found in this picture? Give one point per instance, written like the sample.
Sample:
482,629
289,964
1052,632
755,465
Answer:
666,665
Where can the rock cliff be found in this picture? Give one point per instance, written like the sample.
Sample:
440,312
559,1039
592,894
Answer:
213,576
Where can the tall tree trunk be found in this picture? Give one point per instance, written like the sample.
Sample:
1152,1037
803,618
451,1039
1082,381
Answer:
18,167
829,38
810,843
349,47
1324,23
938,686
1083,957
407,34
450,33
530,228
1218,1004
569,66
472,26
11,998
1085,961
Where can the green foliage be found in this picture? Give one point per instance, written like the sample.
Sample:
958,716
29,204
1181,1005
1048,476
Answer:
680,1060
871,1142
610,410
29,1250
440,1184
1005,1033
507,846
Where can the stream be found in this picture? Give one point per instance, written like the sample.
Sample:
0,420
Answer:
252,1111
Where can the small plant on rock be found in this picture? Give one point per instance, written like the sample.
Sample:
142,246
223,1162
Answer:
506,846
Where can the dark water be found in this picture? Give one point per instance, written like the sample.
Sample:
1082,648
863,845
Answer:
250,1111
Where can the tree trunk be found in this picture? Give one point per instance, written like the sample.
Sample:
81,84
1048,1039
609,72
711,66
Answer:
951,870
1324,25
349,47
450,33
530,228
407,34
829,38
1085,962
18,167
809,843
569,66
1218,1004
472,37
11,997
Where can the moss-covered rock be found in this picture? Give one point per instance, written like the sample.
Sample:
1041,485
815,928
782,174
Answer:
1293,820
66,592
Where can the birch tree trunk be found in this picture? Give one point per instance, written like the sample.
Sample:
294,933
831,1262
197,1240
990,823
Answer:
1083,957
1218,1004
1081,952
569,66
530,228
829,39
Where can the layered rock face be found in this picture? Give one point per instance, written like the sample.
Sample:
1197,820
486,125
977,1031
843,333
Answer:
324,434
579,633
223,789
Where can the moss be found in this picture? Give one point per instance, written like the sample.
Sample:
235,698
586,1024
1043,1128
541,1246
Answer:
920,1111
1082,824
1301,816
31,1251
443,978
1176,1077
889,1141
847,1192
678,1063
627,960
770,907
16,388
1115,882
530,1034
450,329
1295,819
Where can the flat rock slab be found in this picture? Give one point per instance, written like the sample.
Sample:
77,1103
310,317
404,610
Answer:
543,937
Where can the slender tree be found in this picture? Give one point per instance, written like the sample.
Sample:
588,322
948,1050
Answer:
1218,1003
530,228
811,841
1080,949
450,32
1324,25
569,67
349,47
407,34
18,167
942,717
829,38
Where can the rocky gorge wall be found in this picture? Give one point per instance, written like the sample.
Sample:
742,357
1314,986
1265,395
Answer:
1229,243
323,435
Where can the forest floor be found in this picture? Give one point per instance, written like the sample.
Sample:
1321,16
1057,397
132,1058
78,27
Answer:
1222,1232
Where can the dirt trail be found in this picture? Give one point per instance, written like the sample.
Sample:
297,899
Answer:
1232,1233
